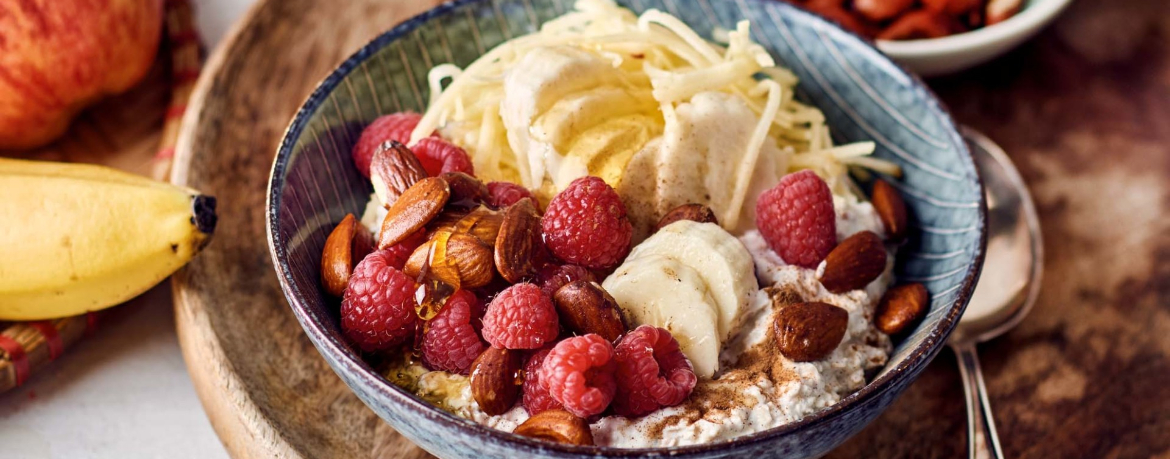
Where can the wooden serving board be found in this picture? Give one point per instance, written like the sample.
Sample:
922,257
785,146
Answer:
1083,110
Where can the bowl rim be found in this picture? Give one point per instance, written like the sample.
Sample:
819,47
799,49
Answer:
364,375
1032,16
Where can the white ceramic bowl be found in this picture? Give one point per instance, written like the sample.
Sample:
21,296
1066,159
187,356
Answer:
940,56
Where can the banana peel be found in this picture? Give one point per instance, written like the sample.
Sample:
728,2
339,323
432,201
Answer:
77,238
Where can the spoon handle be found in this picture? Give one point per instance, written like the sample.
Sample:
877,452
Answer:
982,440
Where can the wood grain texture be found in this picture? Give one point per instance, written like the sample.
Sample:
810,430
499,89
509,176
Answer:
1084,110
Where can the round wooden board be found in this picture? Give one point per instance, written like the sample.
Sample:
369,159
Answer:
1082,377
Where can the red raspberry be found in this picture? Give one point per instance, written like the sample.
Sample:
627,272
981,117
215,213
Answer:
796,218
504,194
586,224
401,251
450,342
396,126
536,397
553,276
579,373
438,156
521,317
651,372
377,310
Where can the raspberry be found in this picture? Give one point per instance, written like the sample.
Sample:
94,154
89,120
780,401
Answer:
586,224
401,251
651,372
536,397
377,310
521,317
438,156
450,342
504,194
796,218
397,126
553,276
579,373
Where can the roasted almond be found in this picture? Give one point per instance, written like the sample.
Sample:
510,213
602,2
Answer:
693,212
471,258
890,208
557,426
1000,10
393,170
880,10
585,307
807,332
918,24
483,223
854,263
413,210
348,244
901,308
495,380
518,242
466,191
418,260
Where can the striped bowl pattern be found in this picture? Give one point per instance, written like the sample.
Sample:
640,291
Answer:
864,97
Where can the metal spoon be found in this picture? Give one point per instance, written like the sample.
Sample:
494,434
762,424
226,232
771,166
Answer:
1007,288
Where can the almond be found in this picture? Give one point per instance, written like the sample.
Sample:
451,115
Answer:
393,170
890,208
558,426
348,244
418,260
854,263
466,191
495,380
901,307
585,307
414,209
807,332
456,259
519,242
471,259
880,10
693,212
481,222
1001,10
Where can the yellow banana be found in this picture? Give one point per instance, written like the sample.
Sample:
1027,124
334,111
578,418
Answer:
77,238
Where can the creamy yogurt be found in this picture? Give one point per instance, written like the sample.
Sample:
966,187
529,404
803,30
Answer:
756,388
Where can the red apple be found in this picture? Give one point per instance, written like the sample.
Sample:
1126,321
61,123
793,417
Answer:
57,56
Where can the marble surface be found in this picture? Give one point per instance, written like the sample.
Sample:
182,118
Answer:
123,393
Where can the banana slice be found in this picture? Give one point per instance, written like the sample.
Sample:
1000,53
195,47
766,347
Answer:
719,258
661,291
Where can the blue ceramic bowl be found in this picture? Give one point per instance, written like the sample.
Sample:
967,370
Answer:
862,93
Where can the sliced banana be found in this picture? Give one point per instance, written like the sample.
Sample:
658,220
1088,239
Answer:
662,291
719,258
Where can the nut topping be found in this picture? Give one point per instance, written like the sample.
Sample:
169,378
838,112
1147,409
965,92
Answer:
518,242
585,307
807,332
393,170
854,263
348,244
495,381
693,212
890,208
901,307
413,210
557,425
466,191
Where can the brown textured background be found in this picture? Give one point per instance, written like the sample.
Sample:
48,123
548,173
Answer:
1084,110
